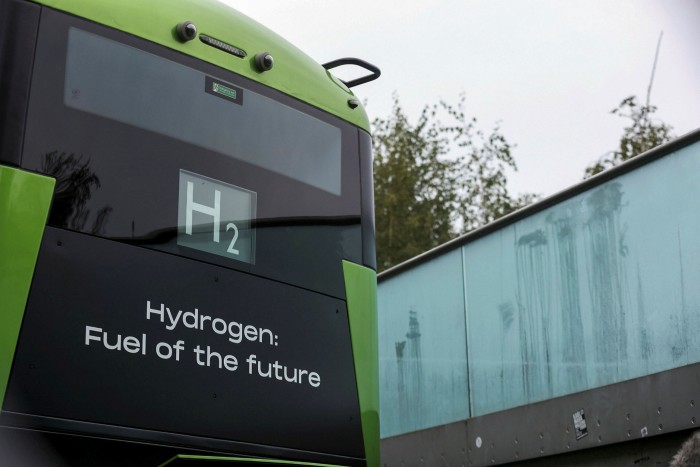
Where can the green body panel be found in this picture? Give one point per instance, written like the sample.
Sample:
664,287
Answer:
361,290
24,205
294,72
185,460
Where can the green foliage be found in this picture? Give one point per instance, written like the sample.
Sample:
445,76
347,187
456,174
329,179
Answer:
643,134
415,190
483,161
433,181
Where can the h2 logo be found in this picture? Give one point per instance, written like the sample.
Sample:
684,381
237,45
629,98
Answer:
216,217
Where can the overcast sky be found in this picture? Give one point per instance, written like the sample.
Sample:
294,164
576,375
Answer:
549,71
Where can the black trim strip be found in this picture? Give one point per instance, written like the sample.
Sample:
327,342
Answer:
174,440
223,46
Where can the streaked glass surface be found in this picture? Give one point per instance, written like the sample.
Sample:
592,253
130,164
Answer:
422,347
598,289
593,291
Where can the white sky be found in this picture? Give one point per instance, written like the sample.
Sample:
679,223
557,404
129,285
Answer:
548,71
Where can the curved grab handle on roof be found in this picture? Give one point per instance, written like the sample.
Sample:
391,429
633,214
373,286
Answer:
374,71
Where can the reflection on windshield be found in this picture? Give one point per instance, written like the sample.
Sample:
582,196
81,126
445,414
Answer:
75,183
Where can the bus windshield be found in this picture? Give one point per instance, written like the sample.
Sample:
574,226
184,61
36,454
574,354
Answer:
154,148
129,85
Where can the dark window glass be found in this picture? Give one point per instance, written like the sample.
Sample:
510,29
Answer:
123,83
118,120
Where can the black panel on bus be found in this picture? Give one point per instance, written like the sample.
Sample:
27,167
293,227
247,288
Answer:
19,22
369,251
181,352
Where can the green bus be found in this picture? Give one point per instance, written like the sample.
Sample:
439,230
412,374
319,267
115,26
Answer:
187,264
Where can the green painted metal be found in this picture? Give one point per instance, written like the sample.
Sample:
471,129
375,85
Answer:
175,461
24,206
361,291
294,72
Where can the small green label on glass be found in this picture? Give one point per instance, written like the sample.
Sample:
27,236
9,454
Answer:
226,91
223,90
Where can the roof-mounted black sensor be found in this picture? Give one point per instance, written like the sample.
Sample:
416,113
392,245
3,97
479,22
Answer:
186,31
264,61
374,71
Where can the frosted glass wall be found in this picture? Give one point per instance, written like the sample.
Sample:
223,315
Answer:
422,347
595,290
598,289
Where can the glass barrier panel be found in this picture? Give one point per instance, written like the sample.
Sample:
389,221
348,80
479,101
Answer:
595,290
422,347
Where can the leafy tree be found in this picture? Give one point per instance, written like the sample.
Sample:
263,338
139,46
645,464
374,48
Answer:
642,134
415,189
483,162
433,181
